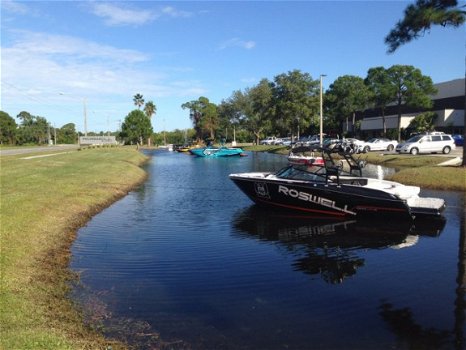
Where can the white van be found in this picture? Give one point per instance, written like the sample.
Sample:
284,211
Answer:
427,143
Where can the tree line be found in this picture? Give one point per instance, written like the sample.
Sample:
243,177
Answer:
34,130
287,105
290,103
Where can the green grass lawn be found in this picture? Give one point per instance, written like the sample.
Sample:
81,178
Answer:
43,201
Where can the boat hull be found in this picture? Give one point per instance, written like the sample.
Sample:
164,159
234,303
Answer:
216,152
328,199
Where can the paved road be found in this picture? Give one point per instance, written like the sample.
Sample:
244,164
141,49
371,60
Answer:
21,150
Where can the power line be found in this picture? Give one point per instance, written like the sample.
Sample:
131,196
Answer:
22,92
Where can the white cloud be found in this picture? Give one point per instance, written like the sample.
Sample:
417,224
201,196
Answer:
14,7
172,12
236,42
49,64
118,15
115,15
61,46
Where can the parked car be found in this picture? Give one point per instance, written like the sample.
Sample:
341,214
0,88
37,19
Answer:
378,144
308,140
271,140
459,140
286,141
428,143
329,142
352,144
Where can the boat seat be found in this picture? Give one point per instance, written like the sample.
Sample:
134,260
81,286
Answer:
332,171
354,181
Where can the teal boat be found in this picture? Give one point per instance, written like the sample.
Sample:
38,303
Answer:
217,151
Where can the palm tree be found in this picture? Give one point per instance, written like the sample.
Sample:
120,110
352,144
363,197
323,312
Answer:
150,109
138,100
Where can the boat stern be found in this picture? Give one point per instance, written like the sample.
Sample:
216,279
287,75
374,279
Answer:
425,206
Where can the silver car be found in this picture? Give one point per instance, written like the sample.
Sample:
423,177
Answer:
427,143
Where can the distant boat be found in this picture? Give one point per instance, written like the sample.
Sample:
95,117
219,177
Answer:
217,151
168,147
304,155
183,148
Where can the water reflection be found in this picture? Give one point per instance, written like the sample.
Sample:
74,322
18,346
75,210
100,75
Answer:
331,246
403,324
402,321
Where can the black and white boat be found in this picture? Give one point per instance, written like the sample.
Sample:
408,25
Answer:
335,188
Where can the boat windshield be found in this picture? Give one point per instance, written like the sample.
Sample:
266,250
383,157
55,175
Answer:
300,173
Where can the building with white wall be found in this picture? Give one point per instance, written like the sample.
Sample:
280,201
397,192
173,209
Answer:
448,104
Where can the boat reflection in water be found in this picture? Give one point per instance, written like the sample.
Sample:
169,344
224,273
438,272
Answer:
331,246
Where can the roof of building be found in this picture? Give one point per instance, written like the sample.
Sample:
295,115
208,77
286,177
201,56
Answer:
452,88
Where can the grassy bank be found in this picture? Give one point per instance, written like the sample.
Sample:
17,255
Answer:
420,170
43,201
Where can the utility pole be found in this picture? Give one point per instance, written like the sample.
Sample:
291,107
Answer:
85,117
48,134
321,113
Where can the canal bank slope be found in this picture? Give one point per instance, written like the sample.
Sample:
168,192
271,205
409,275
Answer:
43,202
425,171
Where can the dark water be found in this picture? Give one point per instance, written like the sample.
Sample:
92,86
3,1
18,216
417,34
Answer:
188,262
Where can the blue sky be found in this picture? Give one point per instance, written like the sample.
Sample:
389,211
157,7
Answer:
57,56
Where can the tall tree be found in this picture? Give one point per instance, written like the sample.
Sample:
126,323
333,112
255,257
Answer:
204,116
410,88
262,109
347,95
295,97
209,120
418,19
136,127
32,129
138,100
7,129
195,115
234,111
381,91
150,109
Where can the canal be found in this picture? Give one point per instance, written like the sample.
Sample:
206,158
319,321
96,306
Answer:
188,262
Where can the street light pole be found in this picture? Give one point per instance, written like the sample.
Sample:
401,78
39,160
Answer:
321,116
84,112
85,117
298,129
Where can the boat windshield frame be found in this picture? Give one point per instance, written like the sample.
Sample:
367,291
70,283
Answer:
337,161
302,172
